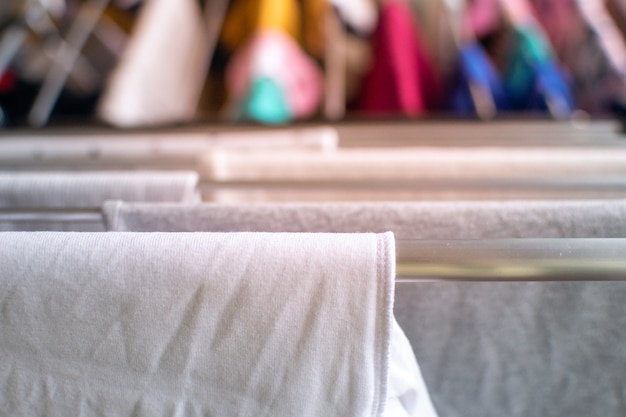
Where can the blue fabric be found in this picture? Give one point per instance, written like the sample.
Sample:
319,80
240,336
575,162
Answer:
475,67
529,83
532,77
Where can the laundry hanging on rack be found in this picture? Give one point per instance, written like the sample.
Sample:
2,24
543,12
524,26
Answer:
60,53
532,79
477,86
226,324
269,77
402,78
272,53
85,192
160,77
516,70
617,10
485,349
599,86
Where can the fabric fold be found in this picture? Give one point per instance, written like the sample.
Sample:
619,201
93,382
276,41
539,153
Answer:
195,324
485,349
78,195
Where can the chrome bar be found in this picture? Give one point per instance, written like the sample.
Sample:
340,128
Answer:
547,183
511,260
60,215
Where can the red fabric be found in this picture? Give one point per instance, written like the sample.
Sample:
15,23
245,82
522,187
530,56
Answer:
7,81
402,77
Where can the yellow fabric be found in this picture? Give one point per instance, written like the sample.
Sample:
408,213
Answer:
314,26
246,17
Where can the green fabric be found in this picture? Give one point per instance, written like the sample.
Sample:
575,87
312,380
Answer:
266,102
530,50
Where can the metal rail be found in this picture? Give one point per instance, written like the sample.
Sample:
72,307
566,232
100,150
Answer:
511,260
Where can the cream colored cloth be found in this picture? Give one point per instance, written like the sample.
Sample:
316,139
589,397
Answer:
414,164
423,173
162,71
120,146
195,324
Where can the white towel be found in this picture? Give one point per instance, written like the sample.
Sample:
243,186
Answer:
159,324
91,189
87,190
405,375
176,146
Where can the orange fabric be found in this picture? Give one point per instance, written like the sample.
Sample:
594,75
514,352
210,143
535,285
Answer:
247,17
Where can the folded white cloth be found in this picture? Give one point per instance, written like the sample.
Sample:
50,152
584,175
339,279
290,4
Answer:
119,146
162,324
91,189
87,190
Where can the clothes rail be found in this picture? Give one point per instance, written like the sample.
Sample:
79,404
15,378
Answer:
547,183
60,215
457,260
511,260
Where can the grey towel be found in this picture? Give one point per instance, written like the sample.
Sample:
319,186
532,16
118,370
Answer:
485,349
87,190
423,220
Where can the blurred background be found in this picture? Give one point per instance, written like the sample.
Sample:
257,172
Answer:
434,119
130,63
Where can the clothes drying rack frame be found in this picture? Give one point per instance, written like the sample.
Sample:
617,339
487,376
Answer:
468,260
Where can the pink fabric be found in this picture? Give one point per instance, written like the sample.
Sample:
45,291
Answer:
519,11
402,78
481,17
562,22
274,54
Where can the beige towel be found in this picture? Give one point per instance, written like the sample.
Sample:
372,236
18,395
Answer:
141,147
415,164
423,173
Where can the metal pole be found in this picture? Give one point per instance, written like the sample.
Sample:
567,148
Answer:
511,260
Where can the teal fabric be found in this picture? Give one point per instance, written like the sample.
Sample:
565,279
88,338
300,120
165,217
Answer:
266,103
